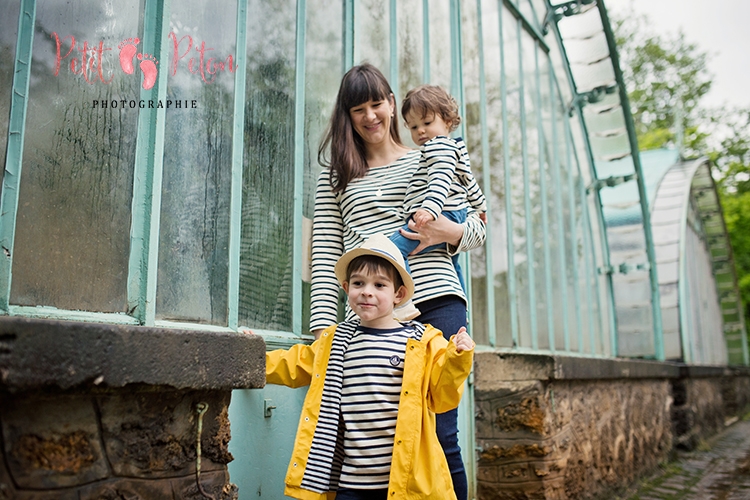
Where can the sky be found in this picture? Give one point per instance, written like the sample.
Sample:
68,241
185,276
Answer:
718,27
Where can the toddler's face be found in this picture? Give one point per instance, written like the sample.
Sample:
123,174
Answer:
424,128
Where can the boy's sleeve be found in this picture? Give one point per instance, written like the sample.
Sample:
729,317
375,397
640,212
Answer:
450,370
291,367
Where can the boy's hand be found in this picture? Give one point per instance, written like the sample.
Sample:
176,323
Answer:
245,330
422,217
463,341
483,217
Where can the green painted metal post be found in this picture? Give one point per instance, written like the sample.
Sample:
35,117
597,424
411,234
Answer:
486,186
545,206
348,37
574,231
555,167
147,185
299,166
394,79
14,151
527,193
238,143
512,301
426,41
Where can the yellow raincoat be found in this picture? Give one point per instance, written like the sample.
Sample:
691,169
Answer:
434,375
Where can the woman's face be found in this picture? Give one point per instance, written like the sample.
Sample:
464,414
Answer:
372,121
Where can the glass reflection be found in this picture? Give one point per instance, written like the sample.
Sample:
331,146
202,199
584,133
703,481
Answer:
268,171
8,36
194,227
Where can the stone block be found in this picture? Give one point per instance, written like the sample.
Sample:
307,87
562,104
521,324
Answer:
131,489
52,441
152,435
214,483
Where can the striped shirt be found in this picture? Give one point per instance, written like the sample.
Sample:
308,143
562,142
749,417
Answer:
375,204
444,180
373,372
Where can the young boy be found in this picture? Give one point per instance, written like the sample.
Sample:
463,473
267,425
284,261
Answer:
443,182
367,428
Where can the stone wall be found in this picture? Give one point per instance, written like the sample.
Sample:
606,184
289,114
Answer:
134,444
108,412
550,427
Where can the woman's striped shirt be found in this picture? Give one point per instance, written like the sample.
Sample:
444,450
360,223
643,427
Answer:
375,204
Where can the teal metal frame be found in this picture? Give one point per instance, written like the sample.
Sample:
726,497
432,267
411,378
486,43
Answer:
14,151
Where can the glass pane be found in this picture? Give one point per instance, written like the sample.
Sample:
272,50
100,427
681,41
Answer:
372,34
268,169
440,43
323,64
472,127
410,56
8,37
72,235
194,227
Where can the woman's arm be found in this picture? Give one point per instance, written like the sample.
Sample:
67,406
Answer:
327,247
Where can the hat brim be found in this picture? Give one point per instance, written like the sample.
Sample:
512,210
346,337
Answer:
343,264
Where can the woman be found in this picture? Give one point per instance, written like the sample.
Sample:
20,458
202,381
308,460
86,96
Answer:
362,193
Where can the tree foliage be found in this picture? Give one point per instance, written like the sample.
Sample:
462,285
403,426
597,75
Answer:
667,78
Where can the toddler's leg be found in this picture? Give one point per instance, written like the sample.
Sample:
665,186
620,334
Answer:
404,245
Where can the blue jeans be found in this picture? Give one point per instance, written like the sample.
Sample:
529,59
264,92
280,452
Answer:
407,246
350,494
448,314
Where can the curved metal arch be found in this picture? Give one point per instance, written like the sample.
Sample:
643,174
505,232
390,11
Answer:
687,191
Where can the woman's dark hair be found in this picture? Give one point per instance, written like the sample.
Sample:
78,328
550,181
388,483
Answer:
346,156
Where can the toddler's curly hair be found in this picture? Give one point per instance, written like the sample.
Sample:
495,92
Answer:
432,99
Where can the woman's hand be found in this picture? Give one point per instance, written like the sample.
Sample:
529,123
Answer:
441,230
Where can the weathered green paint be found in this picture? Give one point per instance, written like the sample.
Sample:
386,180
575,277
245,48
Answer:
524,23
14,151
299,167
349,45
147,178
238,142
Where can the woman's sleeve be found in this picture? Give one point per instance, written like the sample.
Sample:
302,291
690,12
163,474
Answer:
474,234
327,247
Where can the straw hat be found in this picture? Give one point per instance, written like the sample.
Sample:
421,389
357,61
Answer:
380,246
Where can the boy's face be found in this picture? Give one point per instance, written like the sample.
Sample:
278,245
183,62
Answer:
372,296
424,128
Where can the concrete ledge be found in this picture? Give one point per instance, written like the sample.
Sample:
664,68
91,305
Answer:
493,366
40,354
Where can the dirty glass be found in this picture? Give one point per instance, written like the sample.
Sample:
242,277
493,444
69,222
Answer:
552,201
440,43
534,143
517,150
472,133
266,245
194,224
73,224
410,56
323,71
372,42
8,36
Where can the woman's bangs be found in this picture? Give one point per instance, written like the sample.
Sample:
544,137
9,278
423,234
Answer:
363,87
